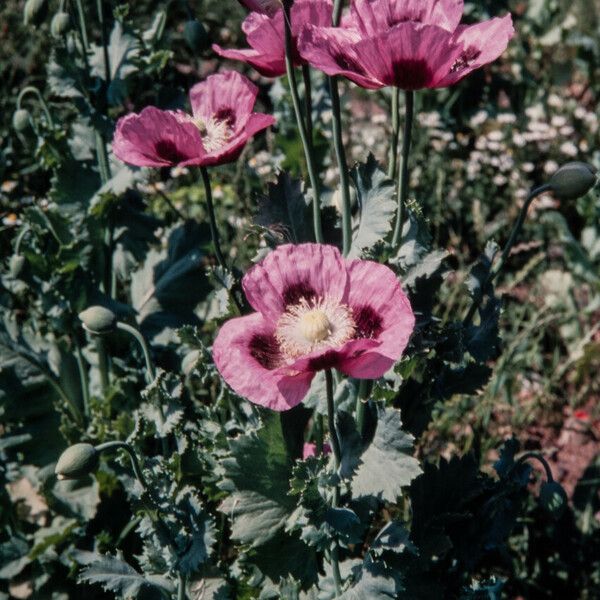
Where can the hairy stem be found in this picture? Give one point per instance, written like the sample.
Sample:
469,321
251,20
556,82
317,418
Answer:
393,162
403,174
308,151
214,232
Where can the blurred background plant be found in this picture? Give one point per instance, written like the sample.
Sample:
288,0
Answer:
79,228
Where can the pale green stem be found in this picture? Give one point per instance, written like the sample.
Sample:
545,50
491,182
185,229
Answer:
393,162
150,371
33,90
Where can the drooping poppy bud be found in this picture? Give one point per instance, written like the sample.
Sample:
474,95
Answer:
77,461
60,24
553,498
21,120
98,320
34,12
195,36
573,180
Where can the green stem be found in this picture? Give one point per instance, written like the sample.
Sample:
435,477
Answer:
308,106
516,230
104,33
540,459
318,419
395,133
150,371
135,464
403,174
337,12
340,155
335,446
24,231
211,218
181,587
82,27
33,90
85,390
102,364
310,163
364,389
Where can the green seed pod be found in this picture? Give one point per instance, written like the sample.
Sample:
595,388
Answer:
573,180
21,120
34,12
195,35
60,24
15,265
189,362
553,498
98,320
77,461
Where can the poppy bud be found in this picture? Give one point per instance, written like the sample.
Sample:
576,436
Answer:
15,265
189,362
34,12
60,24
195,35
573,180
77,461
98,320
553,498
21,120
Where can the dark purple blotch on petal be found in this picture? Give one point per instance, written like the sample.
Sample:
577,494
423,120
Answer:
465,59
297,292
167,150
411,74
368,322
265,350
329,360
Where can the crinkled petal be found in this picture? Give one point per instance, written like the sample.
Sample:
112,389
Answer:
255,122
409,56
157,138
291,273
241,353
382,312
227,95
335,52
481,44
373,17
266,64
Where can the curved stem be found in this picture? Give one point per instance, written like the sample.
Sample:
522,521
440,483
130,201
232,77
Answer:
340,155
85,390
403,174
24,231
393,162
135,464
150,371
211,218
308,154
33,90
540,459
335,446
516,230
102,363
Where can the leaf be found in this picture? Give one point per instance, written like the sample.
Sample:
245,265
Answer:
424,280
476,282
483,340
117,576
416,241
387,465
283,210
64,76
256,476
76,498
377,206
376,581
123,48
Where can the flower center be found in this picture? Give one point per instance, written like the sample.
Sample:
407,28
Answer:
215,132
314,324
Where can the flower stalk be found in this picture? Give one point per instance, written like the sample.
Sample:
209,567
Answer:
393,163
214,232
308,151
402,189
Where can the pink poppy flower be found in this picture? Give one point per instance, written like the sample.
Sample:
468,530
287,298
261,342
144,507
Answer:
315,310
215,133
409,44
265,35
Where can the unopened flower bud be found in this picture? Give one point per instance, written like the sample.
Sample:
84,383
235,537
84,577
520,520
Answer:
77,461
15,265
35,11
21,120
60,24
553,498
195,35
189,362
573,180
98,320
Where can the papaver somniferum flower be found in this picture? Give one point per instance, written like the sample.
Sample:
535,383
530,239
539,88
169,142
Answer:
409,44
315,310
215,133
265,35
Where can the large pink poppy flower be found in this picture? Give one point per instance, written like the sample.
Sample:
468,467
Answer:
315,310
265,35
409,44
221,123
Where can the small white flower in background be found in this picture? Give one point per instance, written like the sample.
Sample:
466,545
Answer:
569,149
550,167
555,101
